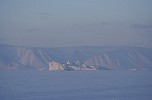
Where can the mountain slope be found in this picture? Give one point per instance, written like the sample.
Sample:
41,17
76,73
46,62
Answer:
120,58
75,58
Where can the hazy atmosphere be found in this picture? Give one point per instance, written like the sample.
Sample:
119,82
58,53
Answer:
75,49
52,23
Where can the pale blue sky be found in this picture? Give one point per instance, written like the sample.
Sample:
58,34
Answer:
76,22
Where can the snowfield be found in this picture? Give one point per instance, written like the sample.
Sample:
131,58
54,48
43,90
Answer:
75,85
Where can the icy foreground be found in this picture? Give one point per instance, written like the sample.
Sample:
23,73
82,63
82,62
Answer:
75,85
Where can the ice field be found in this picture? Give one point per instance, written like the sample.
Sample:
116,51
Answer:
75,85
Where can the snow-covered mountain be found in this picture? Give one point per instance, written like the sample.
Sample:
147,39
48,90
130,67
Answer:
75,58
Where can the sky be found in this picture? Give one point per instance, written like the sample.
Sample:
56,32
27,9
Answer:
59,23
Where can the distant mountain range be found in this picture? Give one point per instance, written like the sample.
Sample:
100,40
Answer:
75,58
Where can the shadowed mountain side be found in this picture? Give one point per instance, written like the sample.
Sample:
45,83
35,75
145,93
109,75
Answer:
75,58
121,58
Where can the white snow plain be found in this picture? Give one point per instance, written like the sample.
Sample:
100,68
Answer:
75,85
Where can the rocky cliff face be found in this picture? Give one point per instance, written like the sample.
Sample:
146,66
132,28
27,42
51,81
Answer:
55,66
75,58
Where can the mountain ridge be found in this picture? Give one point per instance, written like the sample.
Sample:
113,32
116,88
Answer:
90,57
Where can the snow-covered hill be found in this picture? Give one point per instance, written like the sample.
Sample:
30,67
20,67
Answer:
75,58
